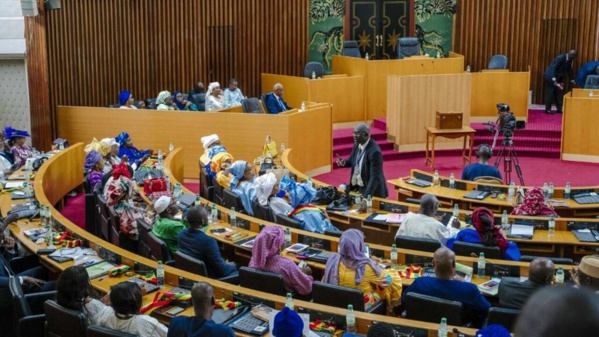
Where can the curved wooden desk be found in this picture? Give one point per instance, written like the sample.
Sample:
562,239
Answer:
50,184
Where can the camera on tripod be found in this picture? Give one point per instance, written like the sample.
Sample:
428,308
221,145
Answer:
506,123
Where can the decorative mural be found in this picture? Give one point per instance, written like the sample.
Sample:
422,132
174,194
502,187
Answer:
434,21
326,31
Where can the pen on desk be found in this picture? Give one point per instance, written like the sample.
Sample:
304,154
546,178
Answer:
101,278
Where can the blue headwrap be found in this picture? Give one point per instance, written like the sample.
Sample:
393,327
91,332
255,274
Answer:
237,171
91,158
124,97
287,323
214,150
493,330
180,105
299,194
9,132
122,138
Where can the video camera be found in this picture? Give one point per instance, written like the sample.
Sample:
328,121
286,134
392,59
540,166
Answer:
506,122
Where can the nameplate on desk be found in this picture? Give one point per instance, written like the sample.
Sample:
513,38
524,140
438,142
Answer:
407,331
393,208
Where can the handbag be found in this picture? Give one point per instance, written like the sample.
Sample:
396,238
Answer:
154,185
269,147
343,204
325,195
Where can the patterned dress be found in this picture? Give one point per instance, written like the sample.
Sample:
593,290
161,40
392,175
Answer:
22,153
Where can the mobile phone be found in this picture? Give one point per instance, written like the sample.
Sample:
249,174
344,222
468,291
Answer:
302,264
175,311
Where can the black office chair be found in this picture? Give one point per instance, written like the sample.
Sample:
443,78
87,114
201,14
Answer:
218,194
262,281
503,316
407,46
152,103
313,67
264,99
351,49
251,105
206,185
102,212
117,237
158,249
468,249
556,260
413,201
63,322
231,199
286,221
592,82
195,266
341,297
143,246
415,243
100,331
498,62
432,309
91,220
28,310
331,232
200,101
261,211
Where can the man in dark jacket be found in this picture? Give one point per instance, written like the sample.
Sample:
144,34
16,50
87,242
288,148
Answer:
554,80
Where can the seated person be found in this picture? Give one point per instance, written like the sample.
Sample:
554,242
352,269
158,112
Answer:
93,168
212,146
590,68
74,291
183,104
233,95
5,168
165,226
197,89
446,287
311,217
423,225
214,97
32,280
587,274
219,169
482,168
17,142
126,100
5,150
353,269
514,293
559,311
381,329
112,157
119,193
201,324
123,312
104,149
164,101
288,323
126,148
242,183
266,256
267,188
534,204
197,244
274,102
486,233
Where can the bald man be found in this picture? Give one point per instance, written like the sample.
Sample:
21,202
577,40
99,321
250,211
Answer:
366,162
274,102
514,293
446,287
554,80
202,298
423,225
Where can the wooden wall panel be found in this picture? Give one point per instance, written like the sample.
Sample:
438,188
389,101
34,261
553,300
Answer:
98,48
525,30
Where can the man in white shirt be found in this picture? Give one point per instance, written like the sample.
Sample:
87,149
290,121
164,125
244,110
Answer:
423,225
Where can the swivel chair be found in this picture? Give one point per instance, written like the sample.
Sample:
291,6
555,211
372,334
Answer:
313,67
351,49
498,62
407,46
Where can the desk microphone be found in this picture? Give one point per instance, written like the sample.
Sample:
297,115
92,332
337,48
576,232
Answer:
459,333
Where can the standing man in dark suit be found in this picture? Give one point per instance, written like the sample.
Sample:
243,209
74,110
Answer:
514,293
274,102
366,161
554,80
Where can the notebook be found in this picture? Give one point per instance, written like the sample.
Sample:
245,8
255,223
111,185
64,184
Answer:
99,269
521,231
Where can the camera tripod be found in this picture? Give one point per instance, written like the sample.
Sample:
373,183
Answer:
507,152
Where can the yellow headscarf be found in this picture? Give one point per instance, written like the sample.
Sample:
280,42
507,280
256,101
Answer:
218,160
101,147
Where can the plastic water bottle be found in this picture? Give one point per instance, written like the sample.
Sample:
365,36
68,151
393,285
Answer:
358,200
456,211
559,275
511,191
233,218
171,147
287,236
160,275
303,106
482,264
443,328
177,191
313,75
367,250
468,68
451,181
545,190
213,214
567,191
43,218
550,191
350,320
393,255
367,57
438,55
591,93
551,226
160,159
369,204
436,178
504,220
289,301
168,183
61,146
309,182
26,190
282,148
49,235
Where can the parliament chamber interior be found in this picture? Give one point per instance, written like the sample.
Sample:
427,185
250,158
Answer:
299,168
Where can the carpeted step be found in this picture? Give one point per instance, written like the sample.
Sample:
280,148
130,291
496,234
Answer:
380,123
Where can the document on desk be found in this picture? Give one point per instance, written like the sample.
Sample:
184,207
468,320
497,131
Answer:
381,217
523,230
14,184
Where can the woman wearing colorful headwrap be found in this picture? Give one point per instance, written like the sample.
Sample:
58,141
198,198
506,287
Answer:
112,157
242,183
126,148
93,167
16,140
266,256
534,204
165,101
219,166
485,232
182,104
126,100
266,191
214,97
118,192
311,217
353,269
